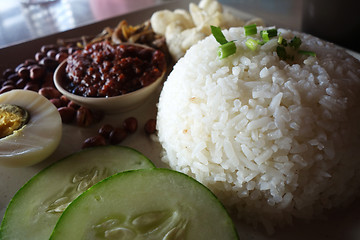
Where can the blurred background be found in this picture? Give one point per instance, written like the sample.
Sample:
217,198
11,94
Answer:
22,20
337,21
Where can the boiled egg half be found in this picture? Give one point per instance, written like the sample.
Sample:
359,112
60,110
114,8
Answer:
30,128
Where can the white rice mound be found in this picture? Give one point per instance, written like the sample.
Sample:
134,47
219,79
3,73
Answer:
273,140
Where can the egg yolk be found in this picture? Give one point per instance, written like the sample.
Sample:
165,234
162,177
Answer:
12,118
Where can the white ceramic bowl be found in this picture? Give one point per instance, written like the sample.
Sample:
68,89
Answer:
116,104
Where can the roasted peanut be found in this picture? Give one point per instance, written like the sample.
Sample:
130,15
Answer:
49,92
84,117
24,73
6,88
150,126
61,56
51,53
94,141
36,72
117,135
49,63
105,130
39,56
130,124
57,102
33,86
19,66
21,83
67,114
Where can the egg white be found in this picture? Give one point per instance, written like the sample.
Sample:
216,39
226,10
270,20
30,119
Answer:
36,140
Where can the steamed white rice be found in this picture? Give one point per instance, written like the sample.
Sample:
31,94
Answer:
272,140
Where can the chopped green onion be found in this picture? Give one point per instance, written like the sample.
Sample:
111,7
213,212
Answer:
250,29
265,35
219,36
226,49
251,44
281,52
295,42
272,32
310,53
282,41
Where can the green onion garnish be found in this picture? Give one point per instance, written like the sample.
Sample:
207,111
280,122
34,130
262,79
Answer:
226,48
281,52
272,32
283,42
251,44
295,42
218,35
310,53
250,29
265,35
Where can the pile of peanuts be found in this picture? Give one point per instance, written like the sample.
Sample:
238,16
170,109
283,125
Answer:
108,134
37,75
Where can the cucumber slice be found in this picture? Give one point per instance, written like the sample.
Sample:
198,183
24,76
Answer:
36,207
146,204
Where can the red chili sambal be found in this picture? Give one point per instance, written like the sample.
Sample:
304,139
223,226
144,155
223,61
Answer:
105,70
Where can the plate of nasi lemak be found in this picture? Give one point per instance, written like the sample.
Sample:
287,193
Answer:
252,134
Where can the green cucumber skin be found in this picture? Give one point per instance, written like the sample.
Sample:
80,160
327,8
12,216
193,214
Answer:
205,215
18,211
